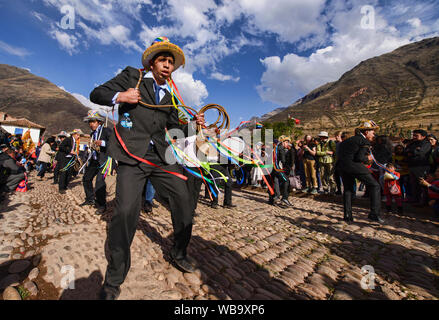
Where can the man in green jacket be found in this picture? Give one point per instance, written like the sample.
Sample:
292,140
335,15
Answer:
325,154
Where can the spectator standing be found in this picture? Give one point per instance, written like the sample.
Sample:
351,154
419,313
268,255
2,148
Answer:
418,158
309,164
399,159
434,155
45,156
433,190
325,153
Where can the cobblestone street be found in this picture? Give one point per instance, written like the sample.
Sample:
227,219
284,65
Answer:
255,251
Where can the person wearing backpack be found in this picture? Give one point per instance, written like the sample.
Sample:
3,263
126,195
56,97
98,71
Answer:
325,154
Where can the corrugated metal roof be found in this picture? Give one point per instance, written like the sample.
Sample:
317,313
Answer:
22,122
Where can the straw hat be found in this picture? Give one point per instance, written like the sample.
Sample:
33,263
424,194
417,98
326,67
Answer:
162,44
93,115
369,125
78,131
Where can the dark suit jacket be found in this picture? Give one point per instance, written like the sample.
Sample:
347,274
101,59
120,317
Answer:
352,155
65,147
103,151
148,123
418,153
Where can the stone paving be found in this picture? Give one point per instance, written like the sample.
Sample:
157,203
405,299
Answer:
255,251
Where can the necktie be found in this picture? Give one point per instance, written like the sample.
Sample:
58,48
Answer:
157,89
95,156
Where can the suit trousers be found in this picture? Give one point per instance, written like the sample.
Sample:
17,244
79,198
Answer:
56,172
64,175
227,185
93,170
194,187
129,191
281,185
349,190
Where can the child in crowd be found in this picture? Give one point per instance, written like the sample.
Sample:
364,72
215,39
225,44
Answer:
433,190
392,189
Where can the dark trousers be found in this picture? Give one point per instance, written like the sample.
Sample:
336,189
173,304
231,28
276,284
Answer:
93,170
280,185
337,178
247,174
43,169
56,172
64,175
419,193
194,187
227,185
129,188
374,193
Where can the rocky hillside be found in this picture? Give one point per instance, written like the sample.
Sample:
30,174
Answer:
22,94
399,90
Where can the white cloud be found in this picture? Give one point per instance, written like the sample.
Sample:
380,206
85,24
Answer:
415,22
102,21
289,78
193,91
27,69
116,73
15,51
86,102
222,77
117,34
290,20
38,15
68,42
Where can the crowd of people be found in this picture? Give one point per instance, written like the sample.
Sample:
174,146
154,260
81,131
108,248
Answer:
401,167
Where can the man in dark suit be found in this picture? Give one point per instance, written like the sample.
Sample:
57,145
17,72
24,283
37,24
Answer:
96,160
67,154
354,154
61,136
280,178
138,144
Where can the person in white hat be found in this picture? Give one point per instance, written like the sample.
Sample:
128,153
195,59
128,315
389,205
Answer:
97,157
325,155
68,150
140,134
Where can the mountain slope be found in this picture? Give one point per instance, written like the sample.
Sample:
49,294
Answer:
399,88
23,94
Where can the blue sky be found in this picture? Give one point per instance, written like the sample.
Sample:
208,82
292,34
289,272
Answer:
249,56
